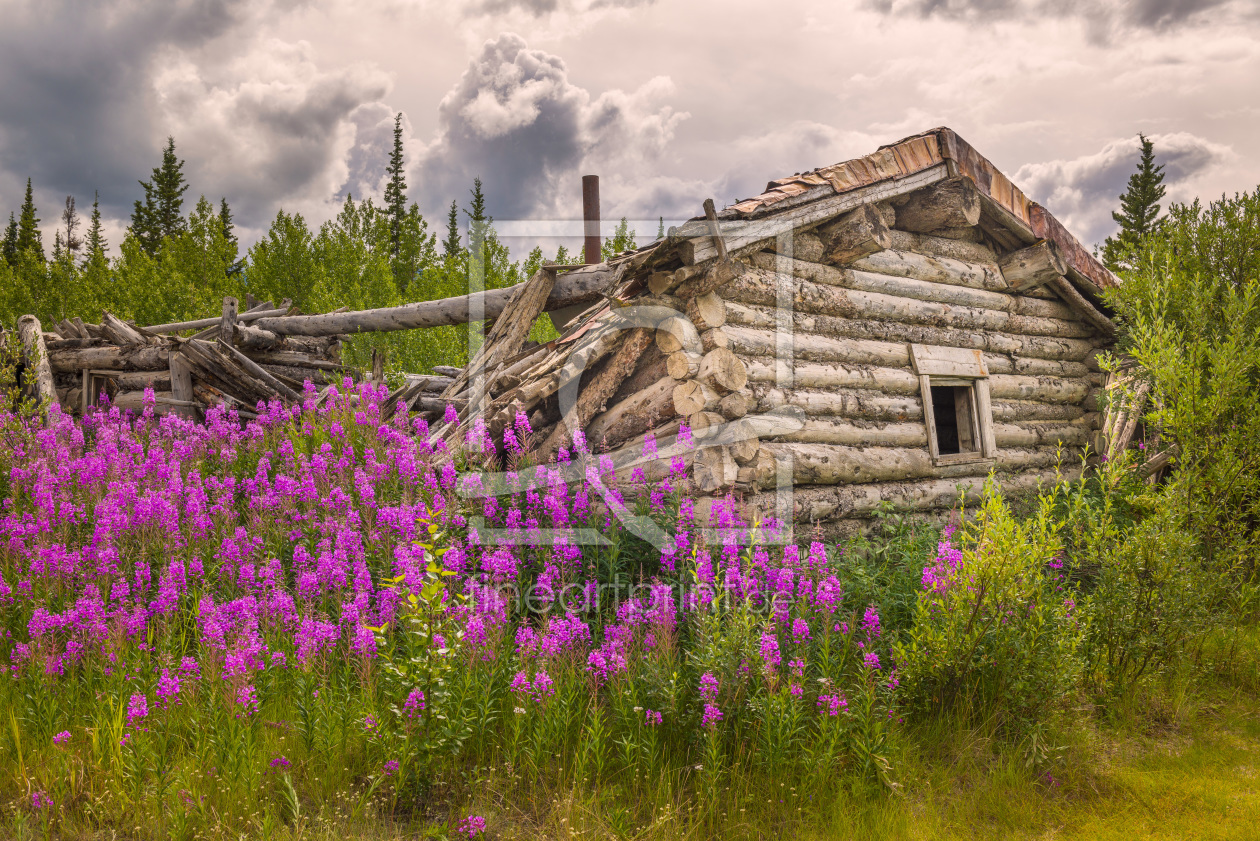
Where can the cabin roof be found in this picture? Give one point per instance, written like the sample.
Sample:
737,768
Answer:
1008,216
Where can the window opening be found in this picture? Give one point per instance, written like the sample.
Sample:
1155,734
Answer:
957,430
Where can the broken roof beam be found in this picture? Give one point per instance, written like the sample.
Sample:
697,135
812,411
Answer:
579,287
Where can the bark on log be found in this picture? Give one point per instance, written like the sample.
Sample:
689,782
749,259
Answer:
715,277
953,203
1083,307
711,340
591,399
150,358
261,373
120,332
815,504
733,405
932,268
579,287
181,385
652,367
856,234
1020,410
812,375
714,469
1040,347
821,299
852,403
201,323
634,415
921,290
1036,265
31,334
934,246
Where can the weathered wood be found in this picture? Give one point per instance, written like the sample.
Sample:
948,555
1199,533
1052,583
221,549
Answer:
722,370
181,385
591,399
812,375
832,502
201,323
928,267
929,245
852,403
984,410
120,332
706,311
856,234
711,340
733,405
31,334
922,290
820,299
579,287
937,361
693,239
305,360
1036,265
714,469
261,373
827,464
691,396
652,366
229,323
682,364
715,277
677,333
659,283
1087,311
763,317
634,415
859,433
953,203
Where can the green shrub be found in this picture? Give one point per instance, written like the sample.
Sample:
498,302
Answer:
996,634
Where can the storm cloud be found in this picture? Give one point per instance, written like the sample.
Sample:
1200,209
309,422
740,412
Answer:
1102,17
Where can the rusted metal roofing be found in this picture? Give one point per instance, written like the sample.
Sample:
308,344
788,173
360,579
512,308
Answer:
1028,220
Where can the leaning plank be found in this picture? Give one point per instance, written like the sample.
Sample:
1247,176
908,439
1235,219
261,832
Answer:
579,287
591,399
31,333
1077,301
261,373
634,415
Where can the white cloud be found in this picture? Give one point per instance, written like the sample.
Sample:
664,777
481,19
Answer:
1083,192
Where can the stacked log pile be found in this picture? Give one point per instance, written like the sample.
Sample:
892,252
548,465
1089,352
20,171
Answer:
228,360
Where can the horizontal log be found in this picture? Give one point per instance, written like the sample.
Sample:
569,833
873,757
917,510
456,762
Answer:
1034,266
953,203
1042,434
578,287
856,234
827,464
812,375
833,502
934,269
1043,389
111,358
930,245
202,323
755,288
909,287
1040,347
1019,410
852,403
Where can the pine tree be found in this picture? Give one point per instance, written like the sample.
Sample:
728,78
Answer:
225,219
8,249
660,229
30,243
451,245
476,211
70,218
396,190
95,245
161,214
1139,208
621,241
477,225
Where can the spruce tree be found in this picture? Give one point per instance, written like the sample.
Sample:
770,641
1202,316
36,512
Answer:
70,218
1139,208
30,243
161,214
225,219
451,245
8,249
396,190
660,229
94,243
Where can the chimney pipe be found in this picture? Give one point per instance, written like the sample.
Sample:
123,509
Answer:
590,217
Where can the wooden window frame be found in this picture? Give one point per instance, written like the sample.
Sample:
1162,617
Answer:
961,369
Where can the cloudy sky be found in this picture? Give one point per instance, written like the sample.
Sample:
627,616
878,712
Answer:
289,104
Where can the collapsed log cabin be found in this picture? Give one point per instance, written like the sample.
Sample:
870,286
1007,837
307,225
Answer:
889,329
893,328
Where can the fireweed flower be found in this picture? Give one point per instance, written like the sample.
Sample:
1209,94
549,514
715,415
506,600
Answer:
833,703
414,704
712,715
708,687
280,762
391,767
62,737
471,826
870,623
652,718
137,709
